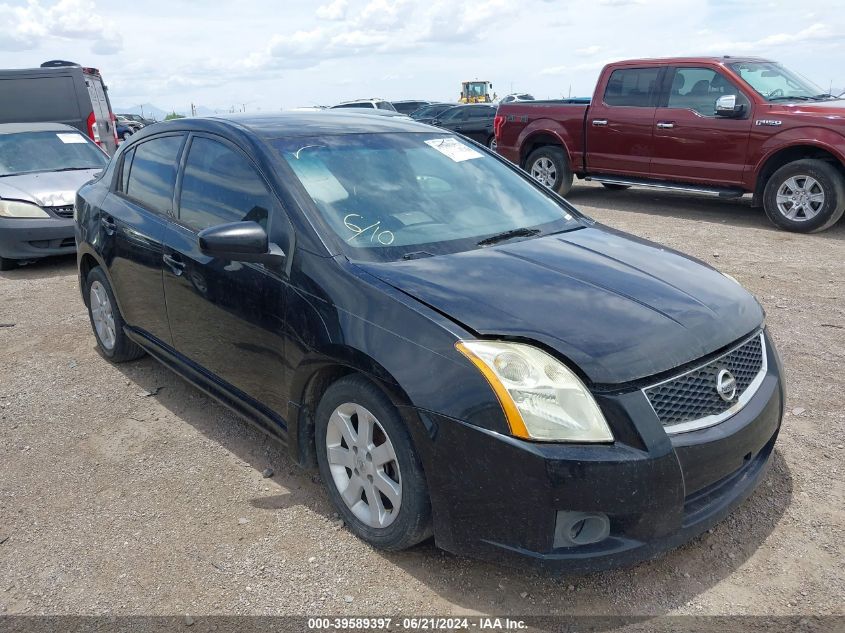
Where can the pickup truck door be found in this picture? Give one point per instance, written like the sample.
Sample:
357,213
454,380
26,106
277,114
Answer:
620,122
692,144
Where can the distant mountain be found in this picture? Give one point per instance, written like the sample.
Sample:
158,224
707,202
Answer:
150,111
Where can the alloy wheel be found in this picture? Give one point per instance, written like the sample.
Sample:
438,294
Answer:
800,198
102,314
543,170
363,465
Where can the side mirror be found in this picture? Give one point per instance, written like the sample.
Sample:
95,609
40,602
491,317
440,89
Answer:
239,241
727,106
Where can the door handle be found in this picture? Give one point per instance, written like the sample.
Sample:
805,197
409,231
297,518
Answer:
599,122
177,266
107,222
665,125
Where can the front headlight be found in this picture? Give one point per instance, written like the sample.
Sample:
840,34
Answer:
542,398
17,209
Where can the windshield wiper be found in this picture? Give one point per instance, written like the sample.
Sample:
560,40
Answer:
72,168
823,96
785,98
506,235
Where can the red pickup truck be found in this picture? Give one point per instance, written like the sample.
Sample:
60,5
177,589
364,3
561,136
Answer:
725,126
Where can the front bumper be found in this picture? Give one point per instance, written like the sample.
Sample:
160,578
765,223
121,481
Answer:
497,497
32,239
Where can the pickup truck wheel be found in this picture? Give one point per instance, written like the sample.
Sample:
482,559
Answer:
805,196
610,186
550,167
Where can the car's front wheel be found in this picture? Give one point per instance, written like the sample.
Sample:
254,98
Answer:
805,196
106,320
369,466
549,166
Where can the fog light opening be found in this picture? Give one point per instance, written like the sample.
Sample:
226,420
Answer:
580,528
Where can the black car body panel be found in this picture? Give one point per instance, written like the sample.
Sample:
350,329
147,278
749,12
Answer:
672,309
264,339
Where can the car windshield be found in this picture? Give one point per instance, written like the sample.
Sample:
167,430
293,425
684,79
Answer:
30,152
775,83
405,195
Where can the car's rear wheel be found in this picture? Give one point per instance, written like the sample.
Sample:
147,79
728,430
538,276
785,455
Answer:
369,466
491,142
805,196
612,186
106,320
550,167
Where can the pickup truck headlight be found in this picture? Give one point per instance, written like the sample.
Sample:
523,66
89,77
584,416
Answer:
542,398
17,209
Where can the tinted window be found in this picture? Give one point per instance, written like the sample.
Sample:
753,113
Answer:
125,168
364,104
455,114
39,99
153,173
482,111
632,87
220,185
698,88
32,152
385,105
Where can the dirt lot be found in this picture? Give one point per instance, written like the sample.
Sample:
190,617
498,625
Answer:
124,490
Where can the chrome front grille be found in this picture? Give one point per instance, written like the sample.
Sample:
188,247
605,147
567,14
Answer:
691,400
62,212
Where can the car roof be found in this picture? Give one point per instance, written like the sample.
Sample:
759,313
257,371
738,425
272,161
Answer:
668,61
17,128
298,124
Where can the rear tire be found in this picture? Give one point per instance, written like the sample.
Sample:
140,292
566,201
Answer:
364,467
491,143
550,167
610,186
805,196
106,320
8,264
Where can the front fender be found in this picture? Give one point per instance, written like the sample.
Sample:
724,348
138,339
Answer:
808,135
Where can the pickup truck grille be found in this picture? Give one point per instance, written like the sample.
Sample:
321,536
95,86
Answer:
691,401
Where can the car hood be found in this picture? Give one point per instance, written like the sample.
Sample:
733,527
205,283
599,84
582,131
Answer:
834,108
618,307
46,189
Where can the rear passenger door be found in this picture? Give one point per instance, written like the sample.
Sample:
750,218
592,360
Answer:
479,123
227,317
133,220
620,124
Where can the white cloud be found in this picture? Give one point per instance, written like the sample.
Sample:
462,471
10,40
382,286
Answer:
335,10
813,33
27,27
587,51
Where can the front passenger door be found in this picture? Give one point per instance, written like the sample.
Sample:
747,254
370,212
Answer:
226,316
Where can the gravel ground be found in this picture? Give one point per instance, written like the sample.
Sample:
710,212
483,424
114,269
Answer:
123,490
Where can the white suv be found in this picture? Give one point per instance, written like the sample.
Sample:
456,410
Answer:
378,104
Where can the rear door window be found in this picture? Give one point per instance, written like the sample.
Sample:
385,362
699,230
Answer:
633,87
153,175
220,185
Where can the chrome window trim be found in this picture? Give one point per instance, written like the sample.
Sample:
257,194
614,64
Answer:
716,418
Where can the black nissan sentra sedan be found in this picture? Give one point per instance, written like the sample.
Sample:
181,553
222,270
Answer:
458,350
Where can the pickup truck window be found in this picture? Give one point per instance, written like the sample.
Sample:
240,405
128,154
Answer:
698,88
776,83
635,87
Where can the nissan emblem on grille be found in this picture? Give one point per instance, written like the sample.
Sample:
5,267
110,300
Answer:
711,392
726,385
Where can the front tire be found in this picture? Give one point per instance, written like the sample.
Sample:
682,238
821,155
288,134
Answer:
106,320
550,167
369,466
805,196
491,143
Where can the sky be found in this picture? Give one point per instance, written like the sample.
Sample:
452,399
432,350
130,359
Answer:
266,55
